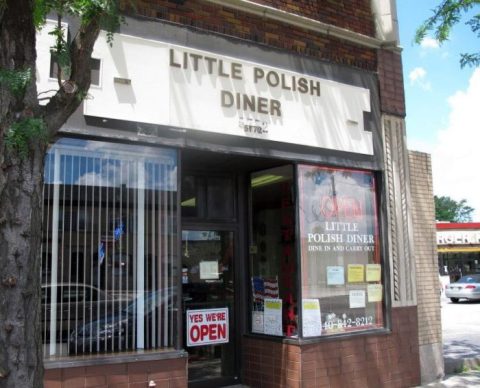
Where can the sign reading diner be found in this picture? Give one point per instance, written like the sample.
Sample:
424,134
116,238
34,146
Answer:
186,89
235,70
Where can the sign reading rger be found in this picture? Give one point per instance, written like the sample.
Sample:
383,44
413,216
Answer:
207,327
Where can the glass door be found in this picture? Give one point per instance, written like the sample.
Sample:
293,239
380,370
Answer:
209,313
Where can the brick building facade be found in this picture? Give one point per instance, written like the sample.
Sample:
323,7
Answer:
245,159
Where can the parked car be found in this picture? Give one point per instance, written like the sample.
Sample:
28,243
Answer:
74,303
117,330
467,287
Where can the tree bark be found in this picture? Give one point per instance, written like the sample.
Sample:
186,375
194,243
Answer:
21,185
21,362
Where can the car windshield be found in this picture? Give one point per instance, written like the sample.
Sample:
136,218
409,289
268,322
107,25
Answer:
469,279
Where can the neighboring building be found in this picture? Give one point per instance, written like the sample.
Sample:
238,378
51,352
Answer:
458,246
232,203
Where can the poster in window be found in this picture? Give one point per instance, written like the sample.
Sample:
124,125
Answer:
257,322
357,299
375,293
335,275
312,322
209,270
373,272
272,317
355,273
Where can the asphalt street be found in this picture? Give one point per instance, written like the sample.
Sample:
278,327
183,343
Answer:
461,344
461,329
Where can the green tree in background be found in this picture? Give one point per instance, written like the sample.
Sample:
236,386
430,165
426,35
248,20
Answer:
447,209
445,16
28,123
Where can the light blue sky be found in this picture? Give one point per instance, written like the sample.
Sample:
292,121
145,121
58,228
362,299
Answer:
437,122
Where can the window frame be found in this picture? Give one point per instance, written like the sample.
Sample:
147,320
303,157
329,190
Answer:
166,351
380,213
383,246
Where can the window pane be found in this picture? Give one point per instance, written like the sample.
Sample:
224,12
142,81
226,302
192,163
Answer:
220,198
340,247
108,248
272,253
191,196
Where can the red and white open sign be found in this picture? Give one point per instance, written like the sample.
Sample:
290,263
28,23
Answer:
207,327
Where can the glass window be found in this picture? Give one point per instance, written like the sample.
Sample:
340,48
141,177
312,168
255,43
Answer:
220,198
192,196
342,287
272,253
109,242
208,197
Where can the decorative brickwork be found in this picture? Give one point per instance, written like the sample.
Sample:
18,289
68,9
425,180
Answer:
226,21
165,373
390,360
402,264
390,73
355,16
423,212
426,257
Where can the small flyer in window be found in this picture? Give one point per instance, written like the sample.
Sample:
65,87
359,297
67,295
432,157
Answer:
356,273
373,272
312,323
357,299
272,317
375,292
335,276
257,322
209,270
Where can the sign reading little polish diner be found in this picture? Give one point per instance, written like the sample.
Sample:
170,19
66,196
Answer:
199,90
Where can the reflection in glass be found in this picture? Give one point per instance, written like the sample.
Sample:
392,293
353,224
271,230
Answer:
108,248
340,247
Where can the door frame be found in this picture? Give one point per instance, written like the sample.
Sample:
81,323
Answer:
237,328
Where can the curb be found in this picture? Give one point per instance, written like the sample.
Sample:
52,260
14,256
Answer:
457,365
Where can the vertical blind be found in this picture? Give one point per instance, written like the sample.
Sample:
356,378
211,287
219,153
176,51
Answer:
109,239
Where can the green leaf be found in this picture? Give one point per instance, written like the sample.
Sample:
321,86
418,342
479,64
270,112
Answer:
445,16
15,80
21,133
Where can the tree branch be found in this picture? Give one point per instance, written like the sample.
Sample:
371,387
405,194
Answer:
67,100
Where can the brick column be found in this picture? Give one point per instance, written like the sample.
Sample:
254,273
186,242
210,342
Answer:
426,257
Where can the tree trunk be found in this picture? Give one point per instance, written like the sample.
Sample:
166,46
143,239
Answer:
21,360
21,185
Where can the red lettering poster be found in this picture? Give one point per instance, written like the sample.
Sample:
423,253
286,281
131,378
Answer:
207,327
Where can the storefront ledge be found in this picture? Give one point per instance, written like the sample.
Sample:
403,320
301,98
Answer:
314,340
114,358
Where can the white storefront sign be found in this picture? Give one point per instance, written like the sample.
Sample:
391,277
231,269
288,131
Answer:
181,87
458,237
207,327
147,81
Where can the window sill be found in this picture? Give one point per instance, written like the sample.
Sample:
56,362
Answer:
112,358
325,338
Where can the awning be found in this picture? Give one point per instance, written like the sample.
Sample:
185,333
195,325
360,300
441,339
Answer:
458,249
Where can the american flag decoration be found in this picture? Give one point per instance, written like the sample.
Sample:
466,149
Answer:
264,288
270,286
258,289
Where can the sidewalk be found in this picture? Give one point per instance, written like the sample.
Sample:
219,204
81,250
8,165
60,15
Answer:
465,379
460,353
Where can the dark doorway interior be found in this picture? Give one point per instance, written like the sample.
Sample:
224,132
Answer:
214,224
